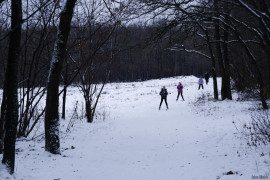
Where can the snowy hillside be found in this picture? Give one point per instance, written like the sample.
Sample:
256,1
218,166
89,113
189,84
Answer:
132,140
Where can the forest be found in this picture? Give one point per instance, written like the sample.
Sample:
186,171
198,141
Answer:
48,47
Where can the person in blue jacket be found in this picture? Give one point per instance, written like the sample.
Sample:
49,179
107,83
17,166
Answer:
200,83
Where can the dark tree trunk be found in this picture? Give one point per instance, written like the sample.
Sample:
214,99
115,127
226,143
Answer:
223,59
227,83
213,62
52,143
64,103
88,101
214,75
220,60
11,120
2,118
88,109
268,63
65,92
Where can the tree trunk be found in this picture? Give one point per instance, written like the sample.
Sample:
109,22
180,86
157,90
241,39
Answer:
87,98
65,92
220,60
2,118
52,143
64,103
223,59
227,83
12,86
268,63
213,61
214,75
88,111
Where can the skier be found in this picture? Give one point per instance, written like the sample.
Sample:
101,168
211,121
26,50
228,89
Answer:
180,91
206,77
200,83
163,93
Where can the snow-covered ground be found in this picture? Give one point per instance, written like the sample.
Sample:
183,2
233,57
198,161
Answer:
133,140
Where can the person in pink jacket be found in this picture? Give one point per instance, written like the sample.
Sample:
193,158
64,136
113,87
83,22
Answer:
200,83
180,91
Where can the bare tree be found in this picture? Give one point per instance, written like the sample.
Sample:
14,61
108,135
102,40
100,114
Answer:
2,119
4,29
222,55
238,27
100,36
259,10
209,42
52,141
12,86
33,68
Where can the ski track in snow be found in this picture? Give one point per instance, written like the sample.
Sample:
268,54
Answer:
136,141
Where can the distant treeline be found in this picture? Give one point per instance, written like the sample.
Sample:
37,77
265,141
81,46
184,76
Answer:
134,53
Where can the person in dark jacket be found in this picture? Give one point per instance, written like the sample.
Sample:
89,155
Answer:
163,93
206,77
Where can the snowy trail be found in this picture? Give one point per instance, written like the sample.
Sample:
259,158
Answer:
139,142
174,144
